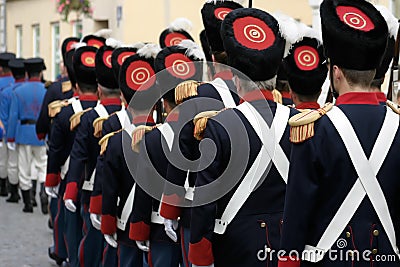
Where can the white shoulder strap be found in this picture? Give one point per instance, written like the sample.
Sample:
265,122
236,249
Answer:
121,116
224,92
366,184
76,105
261,163
168,134
127,209
101,111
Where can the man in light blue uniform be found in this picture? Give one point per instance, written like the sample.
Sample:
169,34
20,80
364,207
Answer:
6,79
18,71
25,106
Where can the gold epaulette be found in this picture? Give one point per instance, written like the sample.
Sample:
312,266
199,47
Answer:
393,106
75,119
137,135
47,84
302,124
98,126
103,143
56,106
200,123
66,86
185,90
277,96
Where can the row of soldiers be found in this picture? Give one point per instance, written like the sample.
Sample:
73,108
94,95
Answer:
231,176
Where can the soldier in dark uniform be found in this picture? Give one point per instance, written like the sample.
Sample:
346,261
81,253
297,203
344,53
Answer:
342,195
306,70
146,210
379,78
229,229
136,81
6,79
220,93
81,174
18,70
67,225
59,90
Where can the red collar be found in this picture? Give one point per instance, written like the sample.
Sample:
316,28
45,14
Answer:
88,97
75,94
286,95
111,101
358,98
308,105
172,117
6,75
20,80
143,119
34,79
381,97
257,95
224,75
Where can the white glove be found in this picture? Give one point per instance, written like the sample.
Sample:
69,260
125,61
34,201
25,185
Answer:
69,204
143,245
170,228
11,146
212,265
96,220
52,191
111,240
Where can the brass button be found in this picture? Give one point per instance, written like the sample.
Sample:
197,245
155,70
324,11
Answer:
375,232
374,251
348,234
263,225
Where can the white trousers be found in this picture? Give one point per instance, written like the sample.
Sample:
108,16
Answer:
3,159
12,167
32,163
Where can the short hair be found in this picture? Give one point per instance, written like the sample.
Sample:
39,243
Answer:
108,91
308,98
33,74
87,87
377,83
282,86
221,57
249,85
362,78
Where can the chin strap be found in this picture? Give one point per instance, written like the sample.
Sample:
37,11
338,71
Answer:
250,3
333,91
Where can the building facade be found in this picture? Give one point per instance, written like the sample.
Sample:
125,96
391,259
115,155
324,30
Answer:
34,28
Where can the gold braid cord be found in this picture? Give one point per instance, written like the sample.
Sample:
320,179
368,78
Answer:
75,119
103,143
185,90
302,124
138,135
56,106
200,123
277,96
98,126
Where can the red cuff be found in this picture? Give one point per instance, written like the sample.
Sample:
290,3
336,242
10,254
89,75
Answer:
287,261
41,136
11,140
139,231
108,224
71,192
52,179
168,211
95,204
201,253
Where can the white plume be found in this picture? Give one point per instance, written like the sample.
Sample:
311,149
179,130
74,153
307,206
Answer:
114,43
149,50
193,49
237,1
138,45
306,31
105,33
78,45
391,20
289,29
181,24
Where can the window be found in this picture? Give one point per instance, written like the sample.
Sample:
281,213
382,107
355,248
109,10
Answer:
77,29
55,50
18,31
36,40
